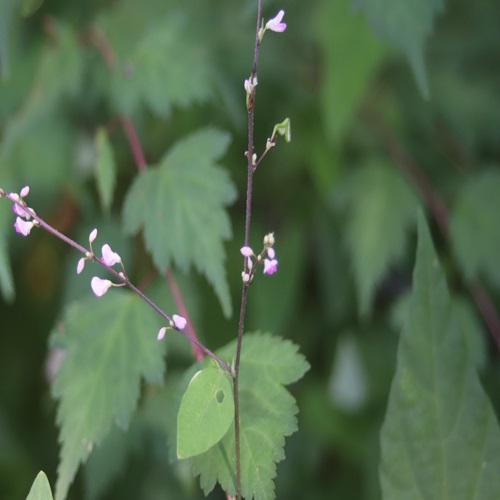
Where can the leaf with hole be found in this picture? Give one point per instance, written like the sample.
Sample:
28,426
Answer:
206,412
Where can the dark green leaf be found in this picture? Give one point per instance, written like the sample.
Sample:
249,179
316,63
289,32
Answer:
381,209
110,345
475,230
440,439
406,25
352,56
181,206
105,169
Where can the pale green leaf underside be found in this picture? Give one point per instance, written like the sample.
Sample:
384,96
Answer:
267,415
381,210
406,25
105,169
440,439
206,412
110,345
475,230
40,490
181,206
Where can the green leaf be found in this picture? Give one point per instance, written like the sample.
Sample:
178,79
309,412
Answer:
206,412
381,209
40,490
440,438
105,169
6,226
58,77
406,25
267,415
181,203
474,230
110,345
159,62
352,56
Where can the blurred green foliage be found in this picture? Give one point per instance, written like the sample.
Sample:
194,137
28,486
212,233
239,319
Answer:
390,108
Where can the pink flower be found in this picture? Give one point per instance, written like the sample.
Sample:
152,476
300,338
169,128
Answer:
109,257
20,211
275,24
99,286
179,322
92,235
270,266
25,191
246,251
80,266
271,253
23,227
162,332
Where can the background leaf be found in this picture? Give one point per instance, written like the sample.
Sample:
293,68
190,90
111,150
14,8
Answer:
437,442
474,227
152,68
405,25
381,209
40,489
105,169
352,56
110,345
186,222
206,412
267,415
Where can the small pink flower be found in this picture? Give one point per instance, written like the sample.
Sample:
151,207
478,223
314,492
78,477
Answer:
162,332
109,257
20,211
100,286
246,277
179,322
270,252
270,266
80,266
23,227
25,191
92,235
275,24
246,251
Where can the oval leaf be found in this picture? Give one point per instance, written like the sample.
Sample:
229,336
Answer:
206,412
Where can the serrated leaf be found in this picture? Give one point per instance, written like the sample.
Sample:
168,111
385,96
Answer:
110,345
406,25
40,490
381,209
181,203
161,64
105,169
440,438
267,415
474,229
206,412
352,55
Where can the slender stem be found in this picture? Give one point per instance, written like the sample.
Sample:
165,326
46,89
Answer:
120,276
244,292
135,143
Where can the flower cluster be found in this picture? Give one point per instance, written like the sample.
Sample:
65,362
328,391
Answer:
176,323
270,263
24,222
